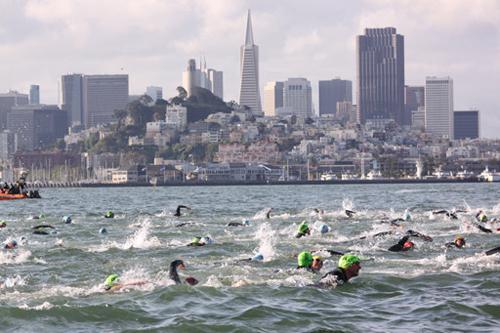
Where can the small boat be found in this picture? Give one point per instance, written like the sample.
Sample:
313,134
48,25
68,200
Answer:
5,196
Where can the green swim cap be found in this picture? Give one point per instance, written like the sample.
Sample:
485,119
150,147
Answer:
304,259
303,227
109,214
196,240
111,280
347,260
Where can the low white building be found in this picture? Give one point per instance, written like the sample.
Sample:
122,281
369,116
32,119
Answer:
124,176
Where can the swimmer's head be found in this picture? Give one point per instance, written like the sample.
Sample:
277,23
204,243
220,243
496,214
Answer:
111,280
67,219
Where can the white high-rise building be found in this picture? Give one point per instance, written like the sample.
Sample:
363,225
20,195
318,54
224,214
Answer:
176,116
155,93
297,97
249,71
439,106
273,98
215,78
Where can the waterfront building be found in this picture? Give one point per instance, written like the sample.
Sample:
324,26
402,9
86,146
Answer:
102,95
249,72
34,94
466,124
273,98
7,101
439,106
380,76
297,97
155,93
331,92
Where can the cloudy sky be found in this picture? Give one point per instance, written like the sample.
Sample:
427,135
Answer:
151,40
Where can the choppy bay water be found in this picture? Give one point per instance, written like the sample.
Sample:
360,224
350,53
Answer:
53,283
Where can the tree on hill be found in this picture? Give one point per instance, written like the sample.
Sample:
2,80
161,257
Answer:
203,103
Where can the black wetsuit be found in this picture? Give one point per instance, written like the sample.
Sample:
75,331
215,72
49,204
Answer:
451,215
453,244
235,224
42,229
400,245
172,272
333,278
349,213
178,210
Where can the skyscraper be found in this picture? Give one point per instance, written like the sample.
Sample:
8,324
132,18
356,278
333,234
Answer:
273,97
34,94
7,101
216,82
331,92
439,106
72,98
414,98
466,124
249,71
297,97
380,75
155,93
102,95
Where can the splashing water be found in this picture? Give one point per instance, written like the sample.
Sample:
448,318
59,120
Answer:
267,241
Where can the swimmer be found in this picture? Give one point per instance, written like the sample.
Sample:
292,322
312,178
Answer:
112,283
109,214
419,235
481,216
349,213
492,251
3,224
348,267
303,230
10,244
458,242
67,219
178,210
268,214
245,223
41,229
452,215
383,233
403,245
308,261
200,241
174,275
182,224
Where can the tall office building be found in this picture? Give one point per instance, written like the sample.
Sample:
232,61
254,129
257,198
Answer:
155,93
414,98
216,81
380,76
102,95
7,101
72,98
37,126
439,106
466,124
34,94
273,97
8,144
331,92
249,72
297,97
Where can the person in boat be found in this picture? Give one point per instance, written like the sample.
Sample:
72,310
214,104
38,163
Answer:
348,267
458,242
43,229
303,230
305,260
403,245
112,283
349,213
178,210
174,275
10,244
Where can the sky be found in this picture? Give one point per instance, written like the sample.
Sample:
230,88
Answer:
152,40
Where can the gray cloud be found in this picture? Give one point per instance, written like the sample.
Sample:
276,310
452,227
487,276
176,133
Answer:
152,40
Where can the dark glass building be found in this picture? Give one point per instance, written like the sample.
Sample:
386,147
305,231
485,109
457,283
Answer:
414,99
466,124
380,75
331,92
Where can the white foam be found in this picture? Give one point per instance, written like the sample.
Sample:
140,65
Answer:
13,257
43,306
267,240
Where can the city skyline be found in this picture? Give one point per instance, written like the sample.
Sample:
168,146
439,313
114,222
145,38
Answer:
312,48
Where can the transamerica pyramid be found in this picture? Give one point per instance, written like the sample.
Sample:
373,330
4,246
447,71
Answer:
249,71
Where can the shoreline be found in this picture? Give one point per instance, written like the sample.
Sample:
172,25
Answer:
260,183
